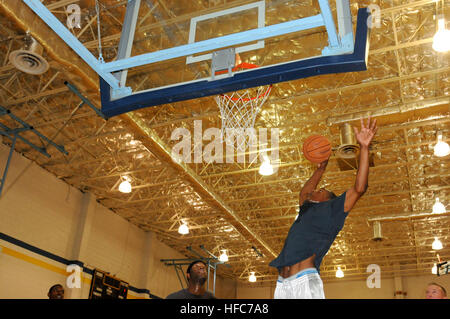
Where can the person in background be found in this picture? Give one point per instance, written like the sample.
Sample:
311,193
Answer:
435,291
56,292
196,275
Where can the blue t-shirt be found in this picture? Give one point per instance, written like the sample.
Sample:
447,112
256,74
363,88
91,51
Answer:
313,232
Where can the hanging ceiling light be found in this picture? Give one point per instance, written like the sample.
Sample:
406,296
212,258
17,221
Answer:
339,273
437,245
183,229
441,148
438,207
125,186
223,257
434,269
441,40
266,168
252,277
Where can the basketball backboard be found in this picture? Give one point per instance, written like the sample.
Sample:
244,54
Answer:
163,54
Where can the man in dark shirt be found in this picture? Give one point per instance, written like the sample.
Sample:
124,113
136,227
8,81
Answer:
320,219
196,275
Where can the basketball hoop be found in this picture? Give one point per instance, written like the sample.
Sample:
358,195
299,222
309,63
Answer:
239,109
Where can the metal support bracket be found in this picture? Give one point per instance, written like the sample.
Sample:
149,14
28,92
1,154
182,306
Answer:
443,268
223,60
14,134
11,151
75,90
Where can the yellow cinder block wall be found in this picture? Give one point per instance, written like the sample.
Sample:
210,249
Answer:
39,209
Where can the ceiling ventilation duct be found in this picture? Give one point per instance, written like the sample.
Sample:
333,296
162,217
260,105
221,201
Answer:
377,231
29,59
348,148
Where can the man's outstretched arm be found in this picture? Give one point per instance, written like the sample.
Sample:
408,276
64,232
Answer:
312,182
364,138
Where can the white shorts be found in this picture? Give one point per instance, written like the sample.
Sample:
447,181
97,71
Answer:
305,284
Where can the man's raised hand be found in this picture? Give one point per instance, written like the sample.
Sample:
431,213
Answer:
367,132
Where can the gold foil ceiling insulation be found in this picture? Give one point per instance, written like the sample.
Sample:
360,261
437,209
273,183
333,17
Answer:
164,154
230,206
54,46
152,141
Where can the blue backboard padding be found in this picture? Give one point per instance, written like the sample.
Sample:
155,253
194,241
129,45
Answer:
357,61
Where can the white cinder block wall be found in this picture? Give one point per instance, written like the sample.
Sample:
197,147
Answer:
43,211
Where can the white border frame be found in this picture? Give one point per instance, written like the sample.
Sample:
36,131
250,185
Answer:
261,6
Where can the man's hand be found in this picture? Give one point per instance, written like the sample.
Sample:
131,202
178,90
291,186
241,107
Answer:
365,135
324,164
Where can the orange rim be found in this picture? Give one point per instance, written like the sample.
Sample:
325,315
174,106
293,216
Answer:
244,66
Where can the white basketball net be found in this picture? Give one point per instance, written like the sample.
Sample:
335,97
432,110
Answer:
238,112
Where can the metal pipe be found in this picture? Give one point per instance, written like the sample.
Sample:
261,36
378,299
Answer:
209,253
75,90
31,128
403,217
6,133
401,108
207,281
179,259
2,181
200,256
214,283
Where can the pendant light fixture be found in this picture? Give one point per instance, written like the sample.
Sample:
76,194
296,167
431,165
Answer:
223,257
125,185
252,277
339,273
183,229
266,167
434,269
437,245
438,207
441,148
441,40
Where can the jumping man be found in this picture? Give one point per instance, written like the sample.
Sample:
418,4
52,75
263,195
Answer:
321,217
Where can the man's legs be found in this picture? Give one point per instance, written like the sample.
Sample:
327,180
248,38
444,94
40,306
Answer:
306,284
316,286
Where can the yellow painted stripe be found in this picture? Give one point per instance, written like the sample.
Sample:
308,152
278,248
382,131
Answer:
39,263
134,297
45,265
33,261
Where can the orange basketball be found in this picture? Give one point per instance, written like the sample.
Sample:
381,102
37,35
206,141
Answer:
316,148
